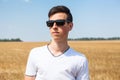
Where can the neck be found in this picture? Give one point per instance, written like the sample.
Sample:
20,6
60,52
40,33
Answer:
58,48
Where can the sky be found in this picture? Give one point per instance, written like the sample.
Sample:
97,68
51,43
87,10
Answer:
26,19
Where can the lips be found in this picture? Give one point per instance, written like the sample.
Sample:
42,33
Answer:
55,32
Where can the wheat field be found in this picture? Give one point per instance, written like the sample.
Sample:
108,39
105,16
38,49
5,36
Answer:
103,57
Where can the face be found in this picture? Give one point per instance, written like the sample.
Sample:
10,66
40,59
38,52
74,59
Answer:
60,32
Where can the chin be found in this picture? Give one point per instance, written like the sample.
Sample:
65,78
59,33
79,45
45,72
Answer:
56,39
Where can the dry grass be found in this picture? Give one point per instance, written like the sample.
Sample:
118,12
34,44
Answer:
103,57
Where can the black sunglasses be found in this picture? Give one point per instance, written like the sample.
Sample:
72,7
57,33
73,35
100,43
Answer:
59,23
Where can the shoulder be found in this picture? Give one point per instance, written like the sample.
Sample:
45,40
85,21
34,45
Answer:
37,50
74,53
78,56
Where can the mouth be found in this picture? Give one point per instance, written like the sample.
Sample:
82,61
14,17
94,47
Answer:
55,32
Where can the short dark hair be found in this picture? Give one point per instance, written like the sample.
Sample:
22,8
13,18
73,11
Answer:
61,8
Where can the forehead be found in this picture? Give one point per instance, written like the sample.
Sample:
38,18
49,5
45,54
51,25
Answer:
58,16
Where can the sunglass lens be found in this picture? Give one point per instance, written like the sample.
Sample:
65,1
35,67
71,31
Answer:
60,22
49,23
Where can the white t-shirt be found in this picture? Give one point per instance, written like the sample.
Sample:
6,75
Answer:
69,66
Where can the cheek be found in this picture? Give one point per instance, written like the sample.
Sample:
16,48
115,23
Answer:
65,30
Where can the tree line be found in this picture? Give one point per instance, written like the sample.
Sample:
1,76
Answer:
11,40
70,39
92,38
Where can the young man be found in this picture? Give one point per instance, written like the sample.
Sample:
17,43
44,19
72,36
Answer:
57,61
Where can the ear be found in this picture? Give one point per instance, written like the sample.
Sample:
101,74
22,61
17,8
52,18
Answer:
70,26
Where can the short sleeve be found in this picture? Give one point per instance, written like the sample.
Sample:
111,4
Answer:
83,72
31,68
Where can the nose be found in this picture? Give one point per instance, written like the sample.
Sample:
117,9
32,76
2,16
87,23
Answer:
54,25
